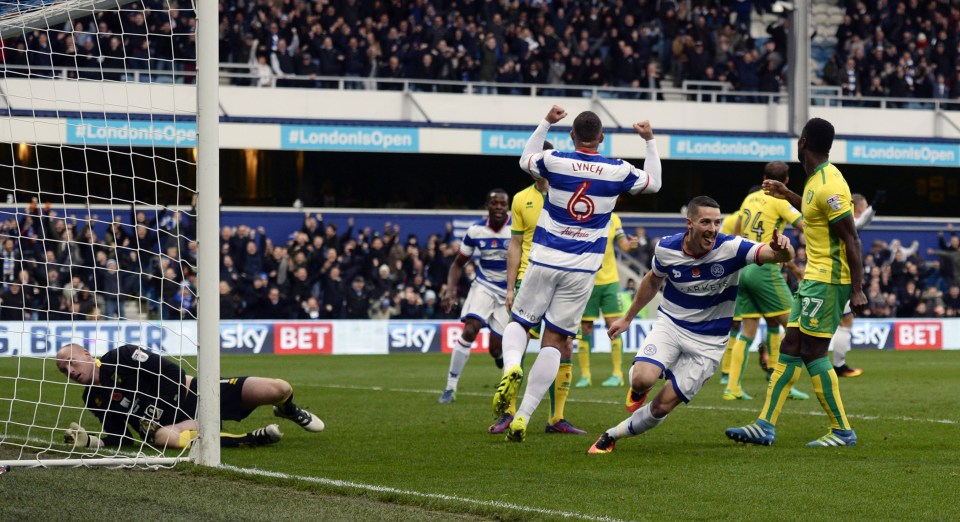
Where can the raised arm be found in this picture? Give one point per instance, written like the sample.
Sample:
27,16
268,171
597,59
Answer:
779,190
651,164
533,150
846,230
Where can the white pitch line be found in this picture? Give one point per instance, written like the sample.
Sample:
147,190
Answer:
419,494
598,401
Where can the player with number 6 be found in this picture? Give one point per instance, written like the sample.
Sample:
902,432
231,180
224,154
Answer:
568,247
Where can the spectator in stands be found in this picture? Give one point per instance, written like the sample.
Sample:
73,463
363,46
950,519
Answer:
358,299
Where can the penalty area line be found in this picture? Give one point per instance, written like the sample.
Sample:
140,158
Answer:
598,401
419,494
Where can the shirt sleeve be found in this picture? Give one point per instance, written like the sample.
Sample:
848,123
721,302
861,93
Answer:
647,180
789,213
658,268
468,244
533,153
516,221
748,251
835,201
616,228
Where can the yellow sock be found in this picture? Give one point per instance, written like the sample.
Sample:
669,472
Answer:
785,374
561,389
187,436
616,354
583,354
827,387
738,360
725,362
774,338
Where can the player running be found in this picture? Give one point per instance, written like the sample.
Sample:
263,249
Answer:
834,273
484,306
702,267
605,299
157,399
763,291
567,250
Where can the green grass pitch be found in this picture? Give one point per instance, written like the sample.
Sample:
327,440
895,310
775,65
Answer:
390,452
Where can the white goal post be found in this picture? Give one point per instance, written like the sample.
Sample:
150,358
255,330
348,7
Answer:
109,212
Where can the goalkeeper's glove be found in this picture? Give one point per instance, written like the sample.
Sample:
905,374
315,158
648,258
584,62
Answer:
79,437
878,199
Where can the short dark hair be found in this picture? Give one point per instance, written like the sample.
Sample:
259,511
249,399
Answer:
777,171
700,201
497,192
587,126
547,145
819,134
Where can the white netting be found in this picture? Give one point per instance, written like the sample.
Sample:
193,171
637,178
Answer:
97,219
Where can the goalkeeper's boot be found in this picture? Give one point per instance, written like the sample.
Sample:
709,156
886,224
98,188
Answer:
507,390
761,433
584,382
835,438
562,426
501,424
268,434
517,431
724,378
613,382
797,395
738,395
635,400
604,444
448,397
846,371
304,418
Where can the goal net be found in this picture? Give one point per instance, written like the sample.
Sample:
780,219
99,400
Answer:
98,186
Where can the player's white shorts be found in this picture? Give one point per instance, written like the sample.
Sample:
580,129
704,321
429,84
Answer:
686,359
556,296
490,309
846,309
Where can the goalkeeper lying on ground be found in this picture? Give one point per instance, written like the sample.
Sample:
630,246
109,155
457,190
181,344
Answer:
131,385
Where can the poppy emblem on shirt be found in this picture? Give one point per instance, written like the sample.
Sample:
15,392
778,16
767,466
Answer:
716,270
493,244
117,396
696,272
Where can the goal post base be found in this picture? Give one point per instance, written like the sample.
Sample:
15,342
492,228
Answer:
116,462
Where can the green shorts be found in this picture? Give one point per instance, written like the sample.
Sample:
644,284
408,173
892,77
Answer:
535,329
605,299
818,307
762,292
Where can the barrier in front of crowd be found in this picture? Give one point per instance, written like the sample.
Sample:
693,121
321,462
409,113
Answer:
340,337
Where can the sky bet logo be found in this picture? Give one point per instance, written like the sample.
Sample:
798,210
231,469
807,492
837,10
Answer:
244,337
413,337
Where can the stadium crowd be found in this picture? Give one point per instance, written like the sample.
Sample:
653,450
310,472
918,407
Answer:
902,49
144,265
884,48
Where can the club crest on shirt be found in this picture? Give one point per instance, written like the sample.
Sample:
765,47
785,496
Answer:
716,270
650,349
809,196
835,202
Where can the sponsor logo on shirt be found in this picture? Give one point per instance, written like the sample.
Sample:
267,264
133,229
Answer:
834,202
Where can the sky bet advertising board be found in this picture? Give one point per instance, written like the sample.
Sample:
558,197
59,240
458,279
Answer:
175,338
